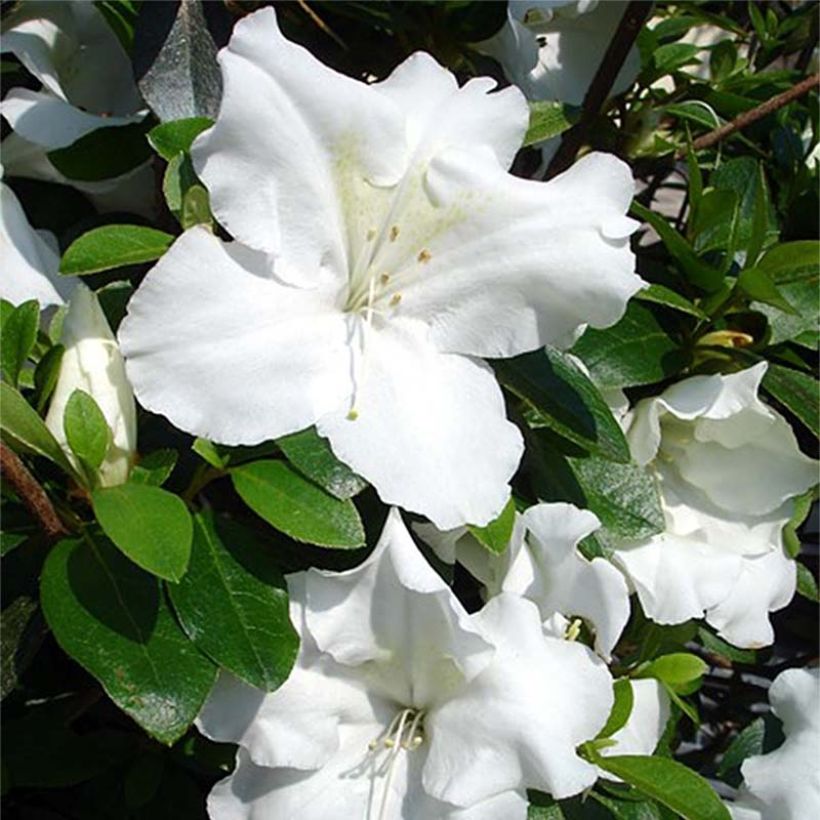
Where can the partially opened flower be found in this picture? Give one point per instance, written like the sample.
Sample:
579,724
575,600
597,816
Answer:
551,49
401,705
727,467
31,260
92,363
86,74
384,248
542,563
785,784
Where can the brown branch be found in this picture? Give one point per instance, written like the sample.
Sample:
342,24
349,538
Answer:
753,115
598,92
30,493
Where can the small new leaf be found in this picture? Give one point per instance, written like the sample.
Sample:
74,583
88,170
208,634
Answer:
86,430
496,535
114,246
18,338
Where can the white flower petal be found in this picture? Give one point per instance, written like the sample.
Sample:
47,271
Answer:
785,784
228,354
93,363
678,578
431,432
559,270
646,723
396,614
566,582
50,121
766,583
440,115
30,264
291,141
519,721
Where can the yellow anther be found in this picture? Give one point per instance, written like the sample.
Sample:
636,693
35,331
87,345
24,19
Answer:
573,630
371,234
424,256
353,415
384,278
395,299
394,233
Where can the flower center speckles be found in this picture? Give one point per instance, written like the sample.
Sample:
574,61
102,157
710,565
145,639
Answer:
405,732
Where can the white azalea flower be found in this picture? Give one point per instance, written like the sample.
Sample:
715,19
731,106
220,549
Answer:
401,705
543,563
31,260
785,784
384,249
92,363
86,74
551,49
727,467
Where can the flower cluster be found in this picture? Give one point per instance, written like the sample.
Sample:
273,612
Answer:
367,279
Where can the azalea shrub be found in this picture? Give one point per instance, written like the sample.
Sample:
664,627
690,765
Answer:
409,410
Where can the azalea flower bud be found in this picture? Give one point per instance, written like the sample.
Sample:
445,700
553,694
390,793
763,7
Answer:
92,363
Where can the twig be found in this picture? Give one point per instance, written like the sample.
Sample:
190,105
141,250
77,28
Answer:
30,493
634,16
753,115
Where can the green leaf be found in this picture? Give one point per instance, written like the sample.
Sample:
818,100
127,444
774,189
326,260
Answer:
698,273
807,583
102,154
46,375
637,350
566,400
242,622
296,506
196,208
549,119
178,178
717,646
716,225
18,338
795,390
792,261
114,246
111,617
23,631
801,507
86,429
21,424
756,284
176,137
670,783
621,708
497,534
155,468
674,669
623,496
151,526
661,295
747,743
209,452
311,455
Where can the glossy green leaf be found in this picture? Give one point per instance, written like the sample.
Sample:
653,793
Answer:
154,468
801,507
111,617
747,743
18,338
298,507
792,261
677,668
242,622
102,154
756,284
22,426
86,429
549,119
807,583
670,783
699,273
566,401
637,350
661,295
795,390
151,526
497,534
175,137
311,455
196,208
46,375
114,246
178,178
621,708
